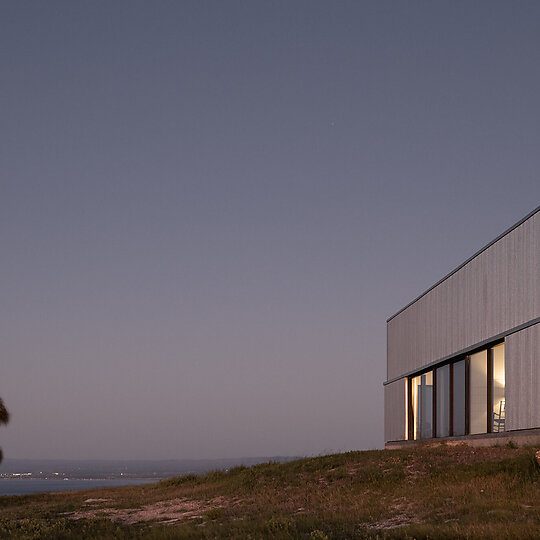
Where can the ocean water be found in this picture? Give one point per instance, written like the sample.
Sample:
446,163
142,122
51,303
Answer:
25,486
84,474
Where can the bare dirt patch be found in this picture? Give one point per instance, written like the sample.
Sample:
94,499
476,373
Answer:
169,511
403,515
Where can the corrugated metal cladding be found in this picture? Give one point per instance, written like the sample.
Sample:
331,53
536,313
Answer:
497,290
394,411
522,351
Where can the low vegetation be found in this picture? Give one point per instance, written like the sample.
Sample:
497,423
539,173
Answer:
435,492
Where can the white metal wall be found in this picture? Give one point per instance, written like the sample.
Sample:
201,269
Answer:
497,290
394,411
522,355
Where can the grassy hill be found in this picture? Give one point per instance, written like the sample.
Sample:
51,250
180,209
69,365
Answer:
424,492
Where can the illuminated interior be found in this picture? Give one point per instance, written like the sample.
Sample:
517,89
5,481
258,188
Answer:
422,405
478,392
498,393
462,397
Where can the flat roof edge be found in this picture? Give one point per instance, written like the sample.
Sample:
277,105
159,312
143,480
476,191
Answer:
502,235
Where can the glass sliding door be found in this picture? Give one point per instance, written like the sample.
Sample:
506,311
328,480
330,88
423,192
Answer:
415,383
458,398
497,391
422,406
464,397
443,401
478,392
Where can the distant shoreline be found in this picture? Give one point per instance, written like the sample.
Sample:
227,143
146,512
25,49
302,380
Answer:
29,486
24,476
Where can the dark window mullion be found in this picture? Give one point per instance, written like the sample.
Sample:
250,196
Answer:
410,412
489,392
451,401
467,394
434,433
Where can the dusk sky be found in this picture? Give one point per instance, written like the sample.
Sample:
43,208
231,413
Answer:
208,210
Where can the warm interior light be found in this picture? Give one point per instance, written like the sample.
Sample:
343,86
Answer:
499,402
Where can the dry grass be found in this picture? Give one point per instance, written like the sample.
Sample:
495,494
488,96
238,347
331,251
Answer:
425,492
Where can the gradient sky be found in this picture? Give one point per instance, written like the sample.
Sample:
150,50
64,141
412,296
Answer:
208,210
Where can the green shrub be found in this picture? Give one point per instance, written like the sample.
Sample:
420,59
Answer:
180,480
214,513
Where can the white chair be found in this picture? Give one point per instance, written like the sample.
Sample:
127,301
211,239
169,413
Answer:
498,417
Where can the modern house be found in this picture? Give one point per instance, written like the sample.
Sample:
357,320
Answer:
463,359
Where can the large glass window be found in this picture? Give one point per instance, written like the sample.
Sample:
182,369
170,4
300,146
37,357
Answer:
464,397
498,393
478,393
458,398
443,401
422,406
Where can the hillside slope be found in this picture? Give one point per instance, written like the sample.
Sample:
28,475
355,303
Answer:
424,492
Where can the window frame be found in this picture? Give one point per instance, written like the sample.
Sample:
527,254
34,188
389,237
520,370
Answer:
450,363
